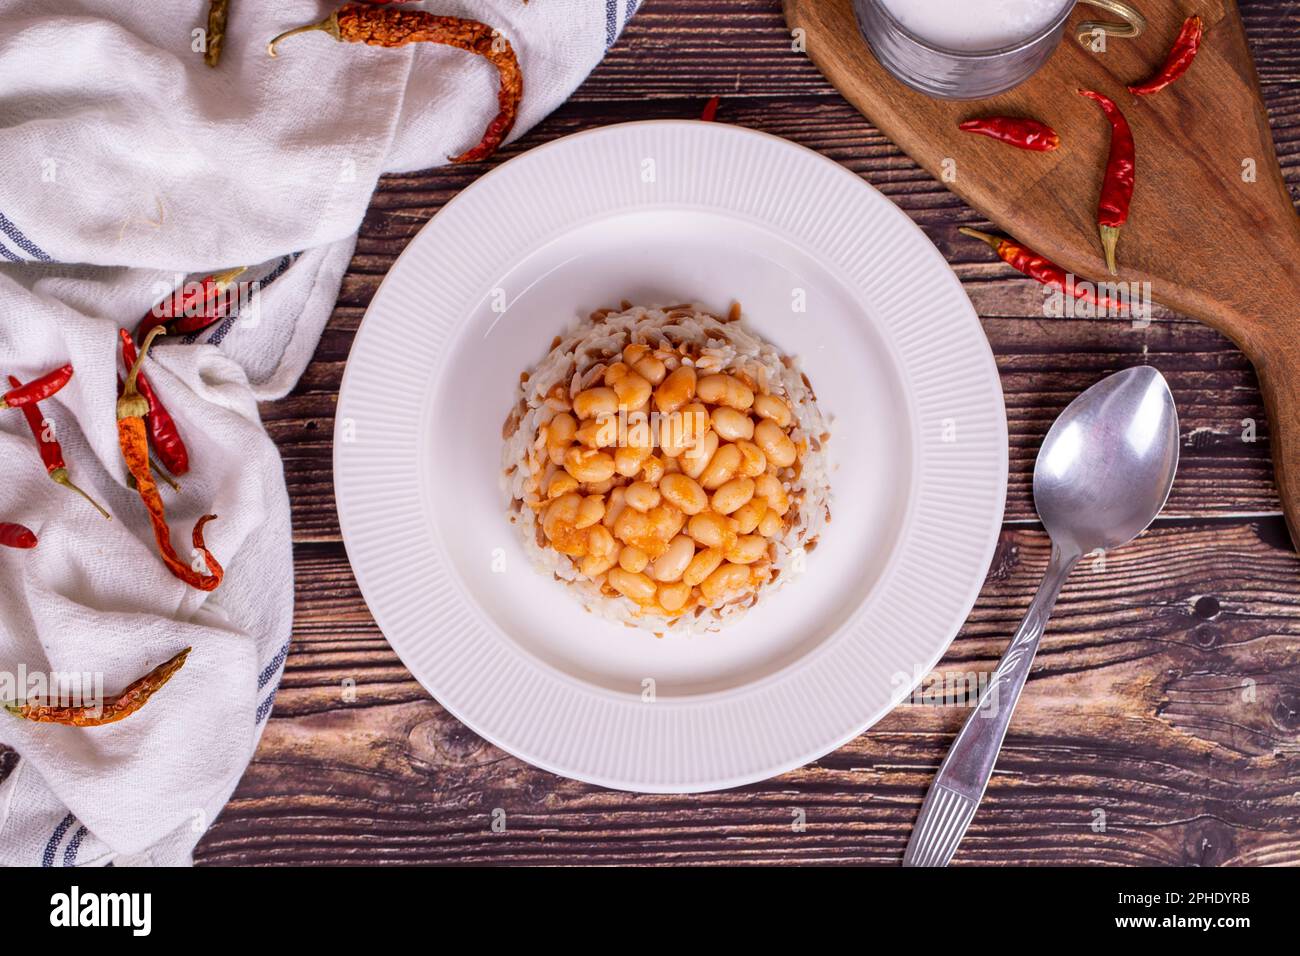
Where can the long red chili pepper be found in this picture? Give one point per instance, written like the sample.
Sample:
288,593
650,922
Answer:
134,696
166,437
1044,270
1179,59
51,450
16,536
132,438
1018,131
193,302
1117,186
38,389
380,26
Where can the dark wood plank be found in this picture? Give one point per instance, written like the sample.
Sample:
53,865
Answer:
1140,706
1165,695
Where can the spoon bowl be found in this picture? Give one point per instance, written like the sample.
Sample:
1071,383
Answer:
1106,466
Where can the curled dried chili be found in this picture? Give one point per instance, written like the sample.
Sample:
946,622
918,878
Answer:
16,536
51,450
1018,131
380,26
164,434
1179,59
194,304
133,439
1043,269
711,109
1117,184
38,389
107,711
218,13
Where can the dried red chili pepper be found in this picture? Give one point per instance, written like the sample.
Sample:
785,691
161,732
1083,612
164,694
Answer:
1179,59
1018,131
51,450
190,301
1117,185
166,437
157,468
376,26
132,438
16,536
711,109
218,13
1043,269
38,389
111,709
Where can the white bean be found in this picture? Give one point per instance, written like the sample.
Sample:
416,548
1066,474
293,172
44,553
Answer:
731,424
773,408
670,565
776,444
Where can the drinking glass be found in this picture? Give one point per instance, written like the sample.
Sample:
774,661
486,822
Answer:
954,74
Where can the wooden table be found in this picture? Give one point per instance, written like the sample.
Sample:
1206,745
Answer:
1162,721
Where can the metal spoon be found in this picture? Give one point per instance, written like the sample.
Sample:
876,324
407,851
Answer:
1102,475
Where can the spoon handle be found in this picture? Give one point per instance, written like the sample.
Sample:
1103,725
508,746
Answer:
959,785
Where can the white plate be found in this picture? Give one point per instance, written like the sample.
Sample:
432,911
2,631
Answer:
657,213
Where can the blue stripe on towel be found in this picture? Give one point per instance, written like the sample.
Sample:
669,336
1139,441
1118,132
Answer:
21,241
47,858
4,251
264,707
269,671
611,22
70,854
264,678
632,7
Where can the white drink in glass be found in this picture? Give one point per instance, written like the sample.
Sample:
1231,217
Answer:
975,25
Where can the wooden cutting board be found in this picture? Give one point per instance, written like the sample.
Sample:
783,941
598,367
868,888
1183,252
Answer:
1212,227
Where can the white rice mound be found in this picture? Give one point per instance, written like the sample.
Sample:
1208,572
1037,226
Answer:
578,361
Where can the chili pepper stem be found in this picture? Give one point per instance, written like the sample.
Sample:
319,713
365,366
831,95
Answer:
61,477
993,241
1109,239
329,25
223,279
132,404
161,473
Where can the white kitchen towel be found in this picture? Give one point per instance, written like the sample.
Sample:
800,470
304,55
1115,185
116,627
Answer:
129,165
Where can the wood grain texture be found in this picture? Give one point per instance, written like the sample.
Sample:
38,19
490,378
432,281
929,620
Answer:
1168,691
1167,694
1227,258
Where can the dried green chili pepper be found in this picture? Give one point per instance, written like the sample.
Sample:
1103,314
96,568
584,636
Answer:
381,26
111,709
